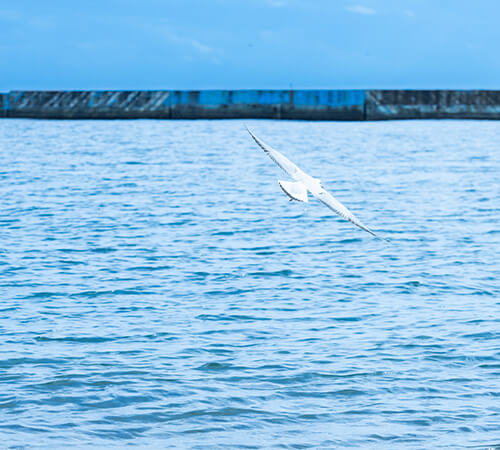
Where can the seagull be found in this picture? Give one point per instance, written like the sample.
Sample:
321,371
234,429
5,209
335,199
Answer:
304,183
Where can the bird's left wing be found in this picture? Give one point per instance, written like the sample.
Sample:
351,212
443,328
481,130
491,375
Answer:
331,202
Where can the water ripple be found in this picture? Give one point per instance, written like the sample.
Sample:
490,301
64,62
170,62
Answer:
158,295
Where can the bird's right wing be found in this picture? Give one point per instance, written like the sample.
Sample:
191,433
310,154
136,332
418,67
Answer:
288,166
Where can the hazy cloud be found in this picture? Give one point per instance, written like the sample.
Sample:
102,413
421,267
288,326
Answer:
360,9
7,14
212,54
267,35
42,23
194,44
277,3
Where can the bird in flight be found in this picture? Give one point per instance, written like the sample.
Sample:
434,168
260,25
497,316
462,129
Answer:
304,183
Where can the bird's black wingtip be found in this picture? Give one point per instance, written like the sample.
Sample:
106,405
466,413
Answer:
255,138
379,237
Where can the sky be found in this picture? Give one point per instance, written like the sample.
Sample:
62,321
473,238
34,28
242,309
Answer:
249,44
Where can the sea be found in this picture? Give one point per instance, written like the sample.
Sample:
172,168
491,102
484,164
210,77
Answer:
158,289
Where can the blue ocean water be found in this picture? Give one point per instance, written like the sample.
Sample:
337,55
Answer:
159,290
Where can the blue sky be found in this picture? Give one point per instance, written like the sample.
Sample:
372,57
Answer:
238,44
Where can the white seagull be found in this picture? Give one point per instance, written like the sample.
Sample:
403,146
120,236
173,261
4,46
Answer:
297,190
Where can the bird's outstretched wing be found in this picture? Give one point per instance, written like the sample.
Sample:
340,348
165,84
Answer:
313,185
288,166
331,202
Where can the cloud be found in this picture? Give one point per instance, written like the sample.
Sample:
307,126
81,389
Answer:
360,9
276,3
211,53
409,12
42,23
190,42
7,14
267,35
197,45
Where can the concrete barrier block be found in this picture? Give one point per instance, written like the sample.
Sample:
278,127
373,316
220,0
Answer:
4,104
397,104
473,104
221,104
130,104
90,104
49,104
436,104
325,105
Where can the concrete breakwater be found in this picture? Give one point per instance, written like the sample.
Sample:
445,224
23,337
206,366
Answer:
357,104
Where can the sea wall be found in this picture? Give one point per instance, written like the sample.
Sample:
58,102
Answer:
436,104
210,104
354,104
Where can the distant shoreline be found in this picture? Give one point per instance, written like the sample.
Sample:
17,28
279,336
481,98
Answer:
324,104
